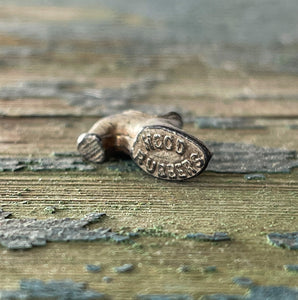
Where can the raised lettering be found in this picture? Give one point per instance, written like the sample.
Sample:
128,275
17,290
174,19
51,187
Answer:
190,170
150,165
147,141
181,147
167,153
157,141
171,171
180,171
168,142
161,172
140,157
197,159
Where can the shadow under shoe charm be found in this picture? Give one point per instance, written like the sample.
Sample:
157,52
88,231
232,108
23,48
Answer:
155,143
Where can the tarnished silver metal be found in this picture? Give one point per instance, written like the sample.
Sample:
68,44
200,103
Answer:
169,153
155,143
90,147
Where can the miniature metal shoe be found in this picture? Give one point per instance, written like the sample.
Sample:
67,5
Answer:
155,143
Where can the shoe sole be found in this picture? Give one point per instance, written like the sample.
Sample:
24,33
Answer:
169,154
90,147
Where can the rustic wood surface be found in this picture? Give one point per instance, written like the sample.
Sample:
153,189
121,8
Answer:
246,210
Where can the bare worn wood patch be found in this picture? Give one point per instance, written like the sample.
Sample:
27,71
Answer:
246,210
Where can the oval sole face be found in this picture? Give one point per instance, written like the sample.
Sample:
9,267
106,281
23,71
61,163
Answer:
90,147
169,154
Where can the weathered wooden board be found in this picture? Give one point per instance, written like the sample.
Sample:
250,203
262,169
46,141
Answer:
113,74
